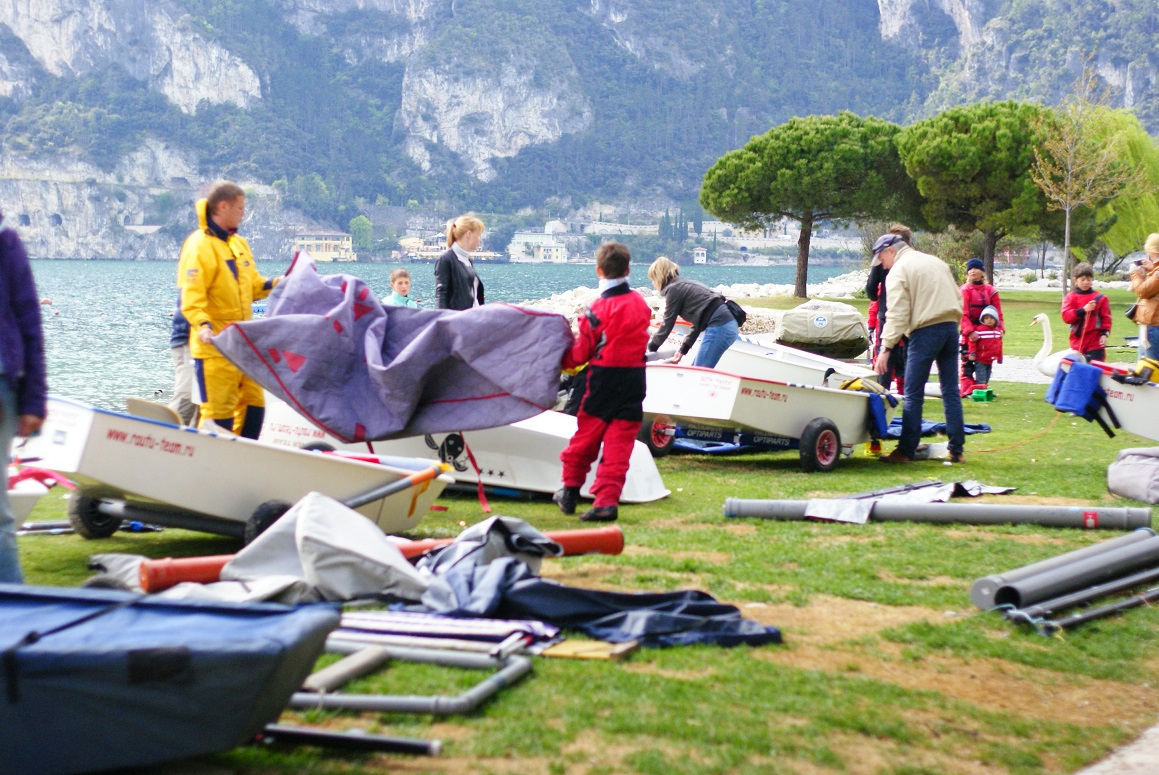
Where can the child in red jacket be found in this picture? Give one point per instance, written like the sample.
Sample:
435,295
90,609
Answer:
1088,314
986,349
612,340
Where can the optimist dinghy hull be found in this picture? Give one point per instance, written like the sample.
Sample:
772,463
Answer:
23,497
804,416
1135,406
116,456
522,456
762,359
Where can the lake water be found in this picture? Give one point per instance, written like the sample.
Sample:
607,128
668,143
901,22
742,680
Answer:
107,328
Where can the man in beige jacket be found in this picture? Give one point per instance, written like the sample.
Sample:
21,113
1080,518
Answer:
925,306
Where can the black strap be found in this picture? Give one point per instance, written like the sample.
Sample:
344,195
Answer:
9,655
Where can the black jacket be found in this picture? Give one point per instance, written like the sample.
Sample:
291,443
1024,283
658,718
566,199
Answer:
454,283
693,301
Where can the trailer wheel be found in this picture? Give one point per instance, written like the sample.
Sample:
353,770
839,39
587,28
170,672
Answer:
318,446
820,446
86,519
657,435
264,515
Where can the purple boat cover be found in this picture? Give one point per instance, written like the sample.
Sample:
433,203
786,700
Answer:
361,371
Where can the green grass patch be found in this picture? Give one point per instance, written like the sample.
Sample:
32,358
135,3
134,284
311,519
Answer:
886,666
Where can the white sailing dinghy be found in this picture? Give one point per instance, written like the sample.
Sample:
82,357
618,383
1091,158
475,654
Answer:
522,456
821,422
1135,405
127,466
23,497
755,356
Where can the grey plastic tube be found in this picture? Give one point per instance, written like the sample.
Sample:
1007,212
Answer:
345,670
982,591
1079,574
963,513
1056,604
514,668
511,670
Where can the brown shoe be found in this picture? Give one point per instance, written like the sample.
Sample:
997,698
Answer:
896,457
957,457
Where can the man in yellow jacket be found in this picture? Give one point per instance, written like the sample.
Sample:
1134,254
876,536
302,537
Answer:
219,283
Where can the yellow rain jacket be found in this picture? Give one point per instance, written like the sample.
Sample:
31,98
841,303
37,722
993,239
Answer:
219,282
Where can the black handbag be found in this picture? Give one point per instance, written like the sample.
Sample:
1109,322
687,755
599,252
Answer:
737,311
1130,312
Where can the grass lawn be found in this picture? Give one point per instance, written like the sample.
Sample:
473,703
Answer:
886,665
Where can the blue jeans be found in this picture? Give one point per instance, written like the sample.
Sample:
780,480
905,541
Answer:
714,340
9,558
1151,350
933,344
982,372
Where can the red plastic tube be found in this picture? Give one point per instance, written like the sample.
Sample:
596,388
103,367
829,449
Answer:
156,575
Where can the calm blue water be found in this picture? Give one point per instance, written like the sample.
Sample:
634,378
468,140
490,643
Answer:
107,329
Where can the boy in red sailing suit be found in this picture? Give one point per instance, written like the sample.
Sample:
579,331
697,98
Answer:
612,340
977,295
1088,314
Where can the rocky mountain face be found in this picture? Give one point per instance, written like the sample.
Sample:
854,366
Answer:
497,101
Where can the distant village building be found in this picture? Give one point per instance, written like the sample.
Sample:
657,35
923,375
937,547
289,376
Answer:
325,245
429,248
553,254
538,245
700,255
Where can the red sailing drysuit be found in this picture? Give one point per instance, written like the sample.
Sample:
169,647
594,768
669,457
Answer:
612,339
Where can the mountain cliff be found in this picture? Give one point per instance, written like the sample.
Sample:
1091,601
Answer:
116,112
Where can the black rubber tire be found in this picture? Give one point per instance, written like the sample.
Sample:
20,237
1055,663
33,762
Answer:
264,515
318,446
820,446
87,521
651,433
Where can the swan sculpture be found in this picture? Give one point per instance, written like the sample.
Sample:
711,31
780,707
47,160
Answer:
1044,360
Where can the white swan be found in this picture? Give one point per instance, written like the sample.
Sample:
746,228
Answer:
1044,360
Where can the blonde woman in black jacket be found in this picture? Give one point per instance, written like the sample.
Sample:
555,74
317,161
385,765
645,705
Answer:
456,284
701,306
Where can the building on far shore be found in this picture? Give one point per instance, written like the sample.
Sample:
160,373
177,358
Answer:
699,255
542,246
324,245
426,250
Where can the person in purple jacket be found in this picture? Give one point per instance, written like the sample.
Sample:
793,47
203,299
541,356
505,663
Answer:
23,389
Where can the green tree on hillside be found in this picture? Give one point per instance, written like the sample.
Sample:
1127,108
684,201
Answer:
972,166
1079,163
818,168
361,230
1133,214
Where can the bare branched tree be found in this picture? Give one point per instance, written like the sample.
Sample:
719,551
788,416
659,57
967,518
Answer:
1081,163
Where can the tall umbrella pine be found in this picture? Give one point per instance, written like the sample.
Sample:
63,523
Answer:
818,168
972,165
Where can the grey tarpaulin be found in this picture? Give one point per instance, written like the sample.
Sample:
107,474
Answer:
361,371
858,508
1135,474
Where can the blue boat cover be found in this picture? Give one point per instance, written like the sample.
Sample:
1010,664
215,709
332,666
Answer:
361,371
507,588
99,679
932,428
